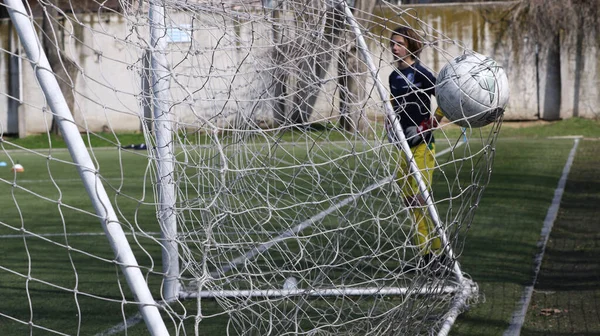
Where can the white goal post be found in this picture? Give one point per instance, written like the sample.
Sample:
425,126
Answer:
264,197
86,168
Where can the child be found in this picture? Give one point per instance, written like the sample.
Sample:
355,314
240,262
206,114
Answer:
411,86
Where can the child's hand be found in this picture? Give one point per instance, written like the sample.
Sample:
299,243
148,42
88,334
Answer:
427,124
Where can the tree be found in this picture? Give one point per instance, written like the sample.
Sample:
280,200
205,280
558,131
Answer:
350,65
320,52
64,68
313,67
553,25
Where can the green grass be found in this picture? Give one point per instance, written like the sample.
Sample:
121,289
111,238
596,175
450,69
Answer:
567,296
496,252
110,139
500,246
567,127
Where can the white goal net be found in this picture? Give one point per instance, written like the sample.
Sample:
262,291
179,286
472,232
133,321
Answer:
237,174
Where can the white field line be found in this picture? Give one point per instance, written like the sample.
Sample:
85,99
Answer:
92,234
73,234
18,181
137,317
130,322
518,317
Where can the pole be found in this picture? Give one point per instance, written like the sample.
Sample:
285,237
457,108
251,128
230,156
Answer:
163,131
389,111
88,172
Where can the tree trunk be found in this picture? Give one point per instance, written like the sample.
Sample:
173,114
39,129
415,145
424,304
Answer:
578,67
279,77
313,68
352,78
552,91
63,67
147,122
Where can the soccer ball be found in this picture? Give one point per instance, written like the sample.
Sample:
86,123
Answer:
472,90
290,283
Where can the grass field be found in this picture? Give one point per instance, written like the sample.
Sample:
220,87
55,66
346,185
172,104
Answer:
502,243
497,251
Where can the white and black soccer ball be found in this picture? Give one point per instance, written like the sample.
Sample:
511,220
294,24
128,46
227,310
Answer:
472,90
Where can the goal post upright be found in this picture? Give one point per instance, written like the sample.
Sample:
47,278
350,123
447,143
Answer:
466,287
89,175
163,133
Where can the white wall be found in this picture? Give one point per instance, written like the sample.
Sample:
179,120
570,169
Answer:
109,92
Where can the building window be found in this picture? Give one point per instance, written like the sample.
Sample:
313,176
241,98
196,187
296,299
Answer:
180,33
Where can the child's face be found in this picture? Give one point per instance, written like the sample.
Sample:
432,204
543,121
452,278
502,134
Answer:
399,47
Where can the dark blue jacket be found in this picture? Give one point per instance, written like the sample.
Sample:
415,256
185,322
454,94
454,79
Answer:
411,91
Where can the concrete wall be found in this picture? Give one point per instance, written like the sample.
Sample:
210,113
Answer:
479,27
105,89
110,92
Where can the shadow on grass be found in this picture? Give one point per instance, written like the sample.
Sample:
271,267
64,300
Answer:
567,291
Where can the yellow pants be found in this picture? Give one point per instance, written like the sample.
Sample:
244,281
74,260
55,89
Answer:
426,238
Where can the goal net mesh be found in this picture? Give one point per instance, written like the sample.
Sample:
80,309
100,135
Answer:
289,210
